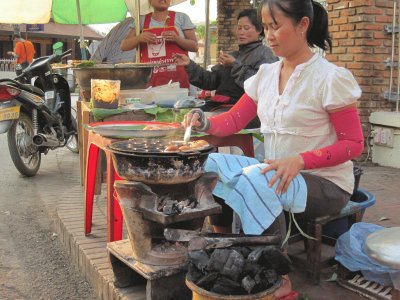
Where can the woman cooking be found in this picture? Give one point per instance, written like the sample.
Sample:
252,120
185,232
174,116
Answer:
163,33
309,118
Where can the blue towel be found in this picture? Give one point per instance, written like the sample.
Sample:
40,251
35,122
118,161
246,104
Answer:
246,191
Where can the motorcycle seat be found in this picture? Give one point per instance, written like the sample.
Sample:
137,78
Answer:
32,89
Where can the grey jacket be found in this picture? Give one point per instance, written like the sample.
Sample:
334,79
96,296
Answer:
228,81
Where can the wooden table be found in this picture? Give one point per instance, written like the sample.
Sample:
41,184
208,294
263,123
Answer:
85,116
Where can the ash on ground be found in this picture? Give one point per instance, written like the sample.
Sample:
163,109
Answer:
238,270
169,206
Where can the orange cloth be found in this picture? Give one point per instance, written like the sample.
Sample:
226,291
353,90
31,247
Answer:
20,51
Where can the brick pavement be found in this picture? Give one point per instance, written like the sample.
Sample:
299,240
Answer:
63,196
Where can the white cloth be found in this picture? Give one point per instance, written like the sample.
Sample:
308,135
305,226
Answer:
297,120
245,190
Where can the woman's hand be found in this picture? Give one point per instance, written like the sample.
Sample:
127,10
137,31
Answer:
181,59
286,169
147,37
197,119
226,59
170,36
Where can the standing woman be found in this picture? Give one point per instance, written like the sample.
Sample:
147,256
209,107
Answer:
308,112
163,33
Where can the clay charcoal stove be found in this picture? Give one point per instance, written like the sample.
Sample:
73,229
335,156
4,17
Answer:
238,270
148,161
149,209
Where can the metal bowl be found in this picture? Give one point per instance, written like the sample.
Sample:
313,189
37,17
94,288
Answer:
132,76
152,167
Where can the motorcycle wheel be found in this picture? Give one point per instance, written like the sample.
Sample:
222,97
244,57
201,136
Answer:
25,156
72,142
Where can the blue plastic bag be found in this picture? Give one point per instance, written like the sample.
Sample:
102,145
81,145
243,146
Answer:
351,254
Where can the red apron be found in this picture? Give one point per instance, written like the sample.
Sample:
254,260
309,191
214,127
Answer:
162,52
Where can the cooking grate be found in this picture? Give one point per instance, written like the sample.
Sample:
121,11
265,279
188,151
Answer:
142,146
366,288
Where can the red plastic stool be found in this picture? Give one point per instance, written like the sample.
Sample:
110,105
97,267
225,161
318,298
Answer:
114,213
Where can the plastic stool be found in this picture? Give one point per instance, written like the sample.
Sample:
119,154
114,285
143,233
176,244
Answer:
354,211
114,214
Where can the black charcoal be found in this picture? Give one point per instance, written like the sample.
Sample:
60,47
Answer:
255,255
233,266
273,258
208,281
248,284
237,270
194,274
226,286
199,258
218,259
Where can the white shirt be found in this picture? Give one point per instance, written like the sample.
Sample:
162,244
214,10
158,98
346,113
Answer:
298,120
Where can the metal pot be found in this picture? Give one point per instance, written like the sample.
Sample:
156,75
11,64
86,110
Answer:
153,166
132,76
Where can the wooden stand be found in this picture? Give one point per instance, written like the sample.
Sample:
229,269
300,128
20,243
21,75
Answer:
162,282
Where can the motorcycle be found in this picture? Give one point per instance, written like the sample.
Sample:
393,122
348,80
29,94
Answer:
38,117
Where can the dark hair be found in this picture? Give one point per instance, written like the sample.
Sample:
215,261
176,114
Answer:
17,36
253,17
317,33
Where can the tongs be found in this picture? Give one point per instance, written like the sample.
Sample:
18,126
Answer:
188,133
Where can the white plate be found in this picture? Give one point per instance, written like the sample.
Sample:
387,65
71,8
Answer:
139,106
131,130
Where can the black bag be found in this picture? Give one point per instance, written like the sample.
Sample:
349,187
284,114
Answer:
25,63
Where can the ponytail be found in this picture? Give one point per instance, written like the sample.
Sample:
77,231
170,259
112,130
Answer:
318,34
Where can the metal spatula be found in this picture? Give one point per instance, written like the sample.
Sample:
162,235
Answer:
188,132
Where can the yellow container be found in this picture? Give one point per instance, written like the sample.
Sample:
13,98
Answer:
201,294
105,93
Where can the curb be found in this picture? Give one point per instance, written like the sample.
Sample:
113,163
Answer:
89,253
63,198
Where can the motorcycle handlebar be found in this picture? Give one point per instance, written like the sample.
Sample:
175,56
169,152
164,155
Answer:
57,57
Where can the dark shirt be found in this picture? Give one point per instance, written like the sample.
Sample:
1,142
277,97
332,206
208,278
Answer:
228,81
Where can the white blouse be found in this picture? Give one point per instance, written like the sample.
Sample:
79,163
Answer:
298,120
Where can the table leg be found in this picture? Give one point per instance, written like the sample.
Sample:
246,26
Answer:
114,213
91,170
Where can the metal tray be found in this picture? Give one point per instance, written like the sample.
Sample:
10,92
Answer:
132,129
154,146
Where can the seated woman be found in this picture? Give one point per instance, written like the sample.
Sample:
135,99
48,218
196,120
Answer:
308,112
228,76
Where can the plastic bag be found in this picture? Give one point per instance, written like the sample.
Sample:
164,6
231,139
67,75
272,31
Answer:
351,254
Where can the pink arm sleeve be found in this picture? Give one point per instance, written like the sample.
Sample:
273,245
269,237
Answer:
235,119
350,142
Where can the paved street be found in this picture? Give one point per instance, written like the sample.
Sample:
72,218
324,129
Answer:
33,262
56,193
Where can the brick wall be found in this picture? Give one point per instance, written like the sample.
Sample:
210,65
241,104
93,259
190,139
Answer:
361,45
227,11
